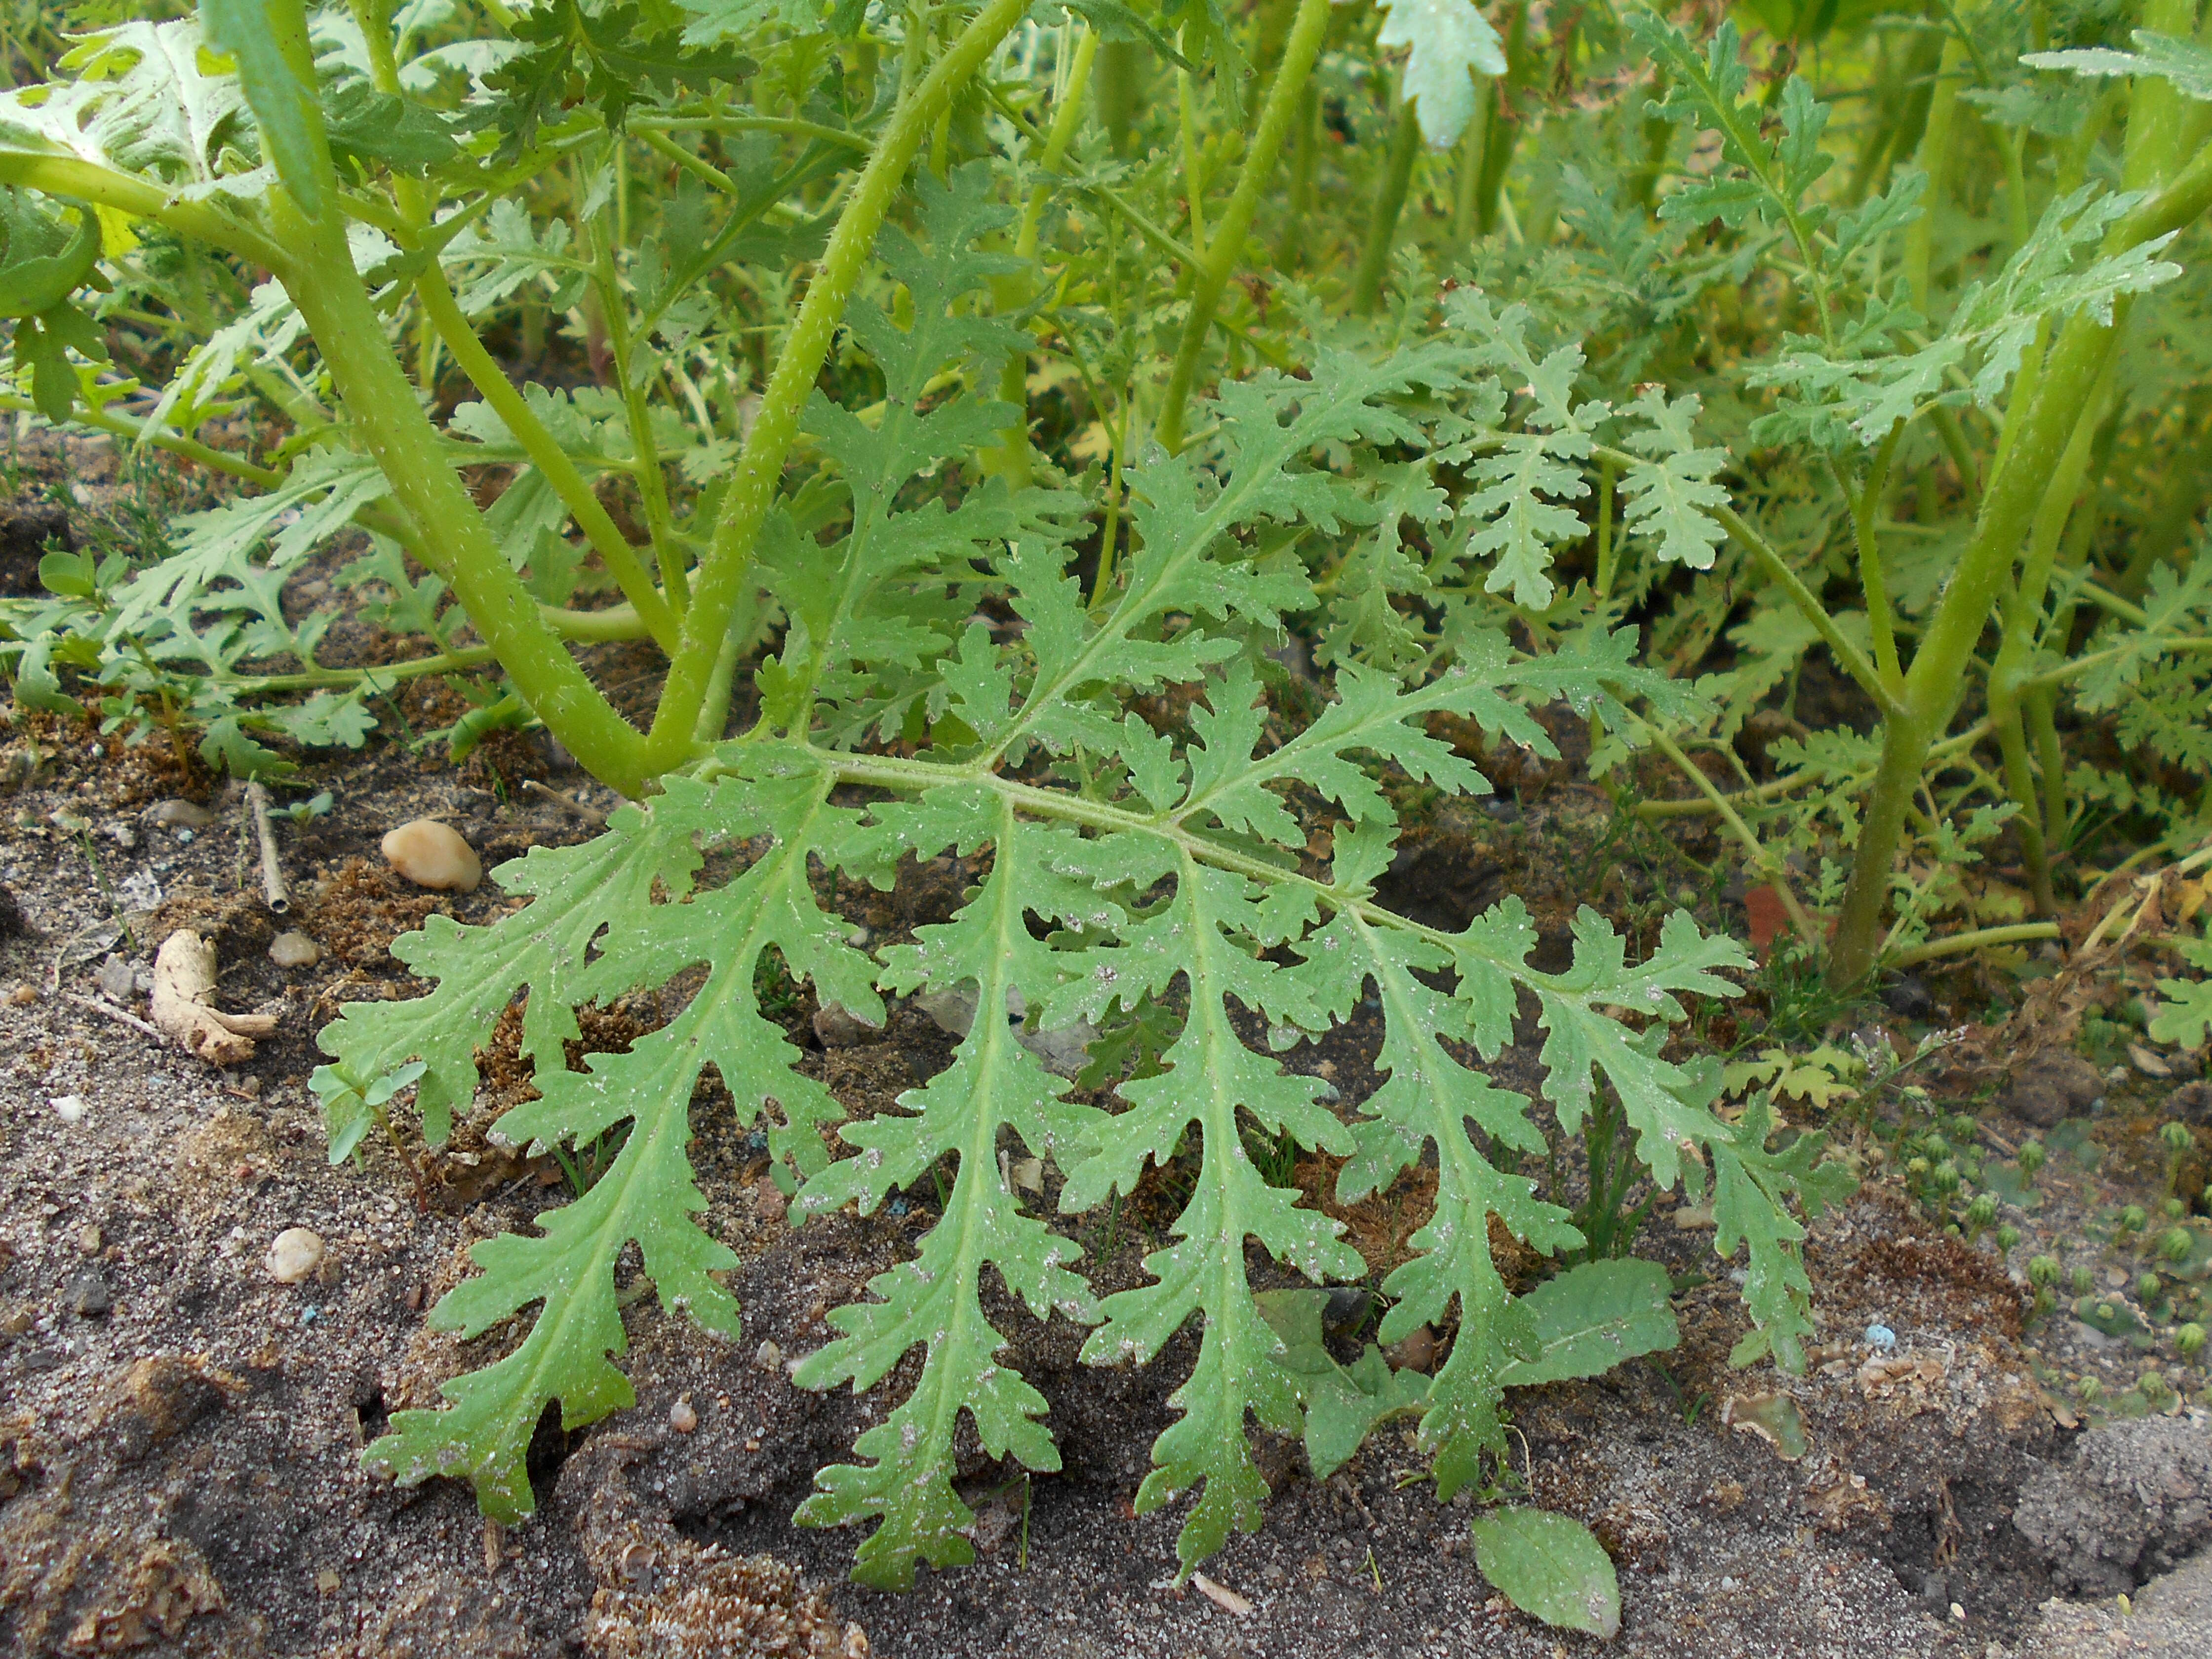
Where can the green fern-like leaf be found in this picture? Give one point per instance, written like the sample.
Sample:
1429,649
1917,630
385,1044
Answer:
1210,932
648,1195
1430,1097
933,1301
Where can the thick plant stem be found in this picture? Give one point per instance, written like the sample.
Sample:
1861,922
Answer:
1013,380
1219,259
1118,87
1931,687
73,181
1935,158
2020,780
722,572
546,455
2038,431
1290,252
391,423
652,487
1390,204
1500,133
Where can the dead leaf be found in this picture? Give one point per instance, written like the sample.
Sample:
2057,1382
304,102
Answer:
1221,1595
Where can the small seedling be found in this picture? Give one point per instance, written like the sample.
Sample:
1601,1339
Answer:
2043,1272
2175,1136
2189,1340
2176,1243
2084,1281
2007,1238
2032,1159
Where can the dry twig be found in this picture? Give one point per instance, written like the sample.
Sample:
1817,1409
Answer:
272,868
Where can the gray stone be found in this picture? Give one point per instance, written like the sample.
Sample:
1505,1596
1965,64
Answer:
2169,1618
2135,1499
836,1026
175,814
2051,1086
89,1296
2192,1103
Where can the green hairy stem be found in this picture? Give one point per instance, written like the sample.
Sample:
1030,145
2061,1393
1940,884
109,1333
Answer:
456,541
721,573
1389,203
2038,434
547,455
1218,262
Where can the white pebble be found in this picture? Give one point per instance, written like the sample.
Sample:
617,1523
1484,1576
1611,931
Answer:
433,854
294,1255
295,950
68,1107
181,814
682,1417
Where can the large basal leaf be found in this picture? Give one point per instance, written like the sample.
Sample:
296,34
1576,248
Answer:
1591,1318
1550,1567
1209,933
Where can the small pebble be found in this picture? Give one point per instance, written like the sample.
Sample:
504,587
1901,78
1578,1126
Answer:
836,1026
682,1417
2147,1062
117,980
769,1199
89,1240
1417,1352
433,854
181,814
69,1107
89,1296
1881,1337
124,837
768,1356
295,949
294,1255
